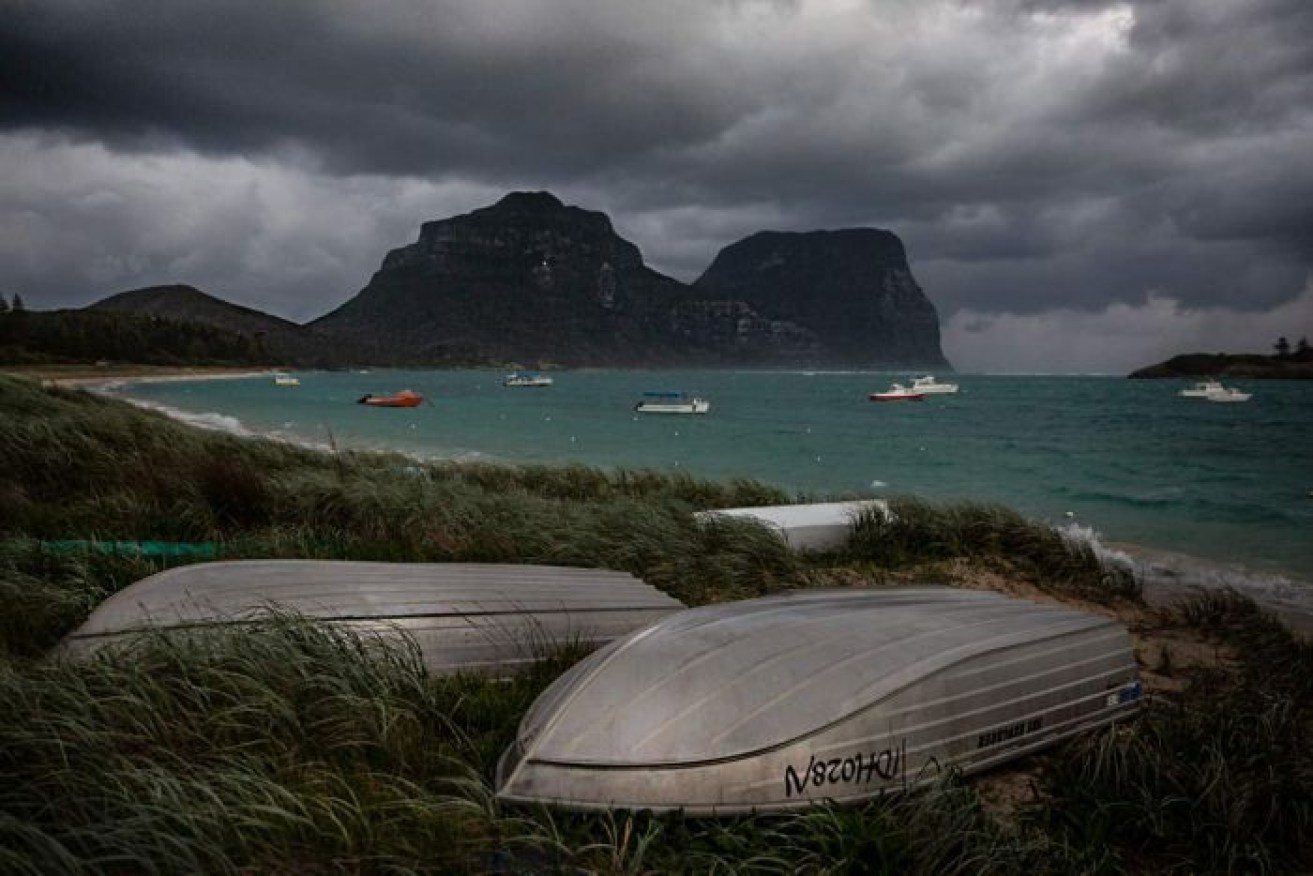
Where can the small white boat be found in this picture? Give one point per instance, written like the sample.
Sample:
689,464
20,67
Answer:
286,380
927,384
778,703
463,617
672,403
1212,390
897,392
527,379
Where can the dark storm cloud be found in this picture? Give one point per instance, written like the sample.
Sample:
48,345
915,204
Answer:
1034,154
389,88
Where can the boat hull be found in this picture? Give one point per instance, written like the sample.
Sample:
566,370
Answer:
462,617
897,396
775,704
403,399
820,526
695,407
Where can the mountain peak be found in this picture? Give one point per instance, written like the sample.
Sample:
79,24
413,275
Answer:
529,202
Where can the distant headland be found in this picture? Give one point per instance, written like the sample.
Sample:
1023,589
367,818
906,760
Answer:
1287,363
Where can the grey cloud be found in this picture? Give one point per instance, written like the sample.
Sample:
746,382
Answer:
1033,154
465,87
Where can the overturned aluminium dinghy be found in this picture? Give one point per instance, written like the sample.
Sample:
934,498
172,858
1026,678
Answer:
773,703
463,616
820,526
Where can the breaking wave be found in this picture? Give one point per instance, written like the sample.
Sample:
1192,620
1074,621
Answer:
1176,573
211,420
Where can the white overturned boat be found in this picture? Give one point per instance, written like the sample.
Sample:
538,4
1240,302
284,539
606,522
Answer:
774,703
672,403
819,526
462,616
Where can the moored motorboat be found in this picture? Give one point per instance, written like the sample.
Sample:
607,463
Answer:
527,379
672,403
927,384
775,703
1201,389
1228,394
1212,390
897,392
461,617
404,399
286,380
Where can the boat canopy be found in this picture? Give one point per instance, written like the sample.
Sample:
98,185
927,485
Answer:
462,616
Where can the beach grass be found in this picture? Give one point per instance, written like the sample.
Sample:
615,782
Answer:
914,531
296,747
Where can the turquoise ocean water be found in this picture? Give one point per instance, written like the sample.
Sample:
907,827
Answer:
1128,461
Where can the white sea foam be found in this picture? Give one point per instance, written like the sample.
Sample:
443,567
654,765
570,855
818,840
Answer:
211,420
1169,571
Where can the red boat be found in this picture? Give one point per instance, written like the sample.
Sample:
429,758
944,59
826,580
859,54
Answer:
897,392
403,399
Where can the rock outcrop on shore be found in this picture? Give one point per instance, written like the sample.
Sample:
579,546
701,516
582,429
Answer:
1294,366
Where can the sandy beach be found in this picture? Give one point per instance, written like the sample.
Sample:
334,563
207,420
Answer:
91,376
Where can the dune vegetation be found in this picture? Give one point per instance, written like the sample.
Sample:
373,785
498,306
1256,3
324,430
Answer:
295,747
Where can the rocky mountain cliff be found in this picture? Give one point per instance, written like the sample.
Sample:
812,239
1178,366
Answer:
527,279
532,280
851,288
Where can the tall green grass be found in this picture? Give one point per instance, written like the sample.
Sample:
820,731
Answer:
1217,779
284,746
915,531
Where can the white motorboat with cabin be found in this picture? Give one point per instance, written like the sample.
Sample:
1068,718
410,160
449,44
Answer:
1228,394
1201,389
672,403
838,694
927,384
527,379
1212,390
897,392
286,380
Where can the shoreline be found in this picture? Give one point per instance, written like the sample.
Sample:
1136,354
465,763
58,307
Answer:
91,376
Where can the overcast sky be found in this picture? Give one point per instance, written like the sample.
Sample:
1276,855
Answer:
1081,186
